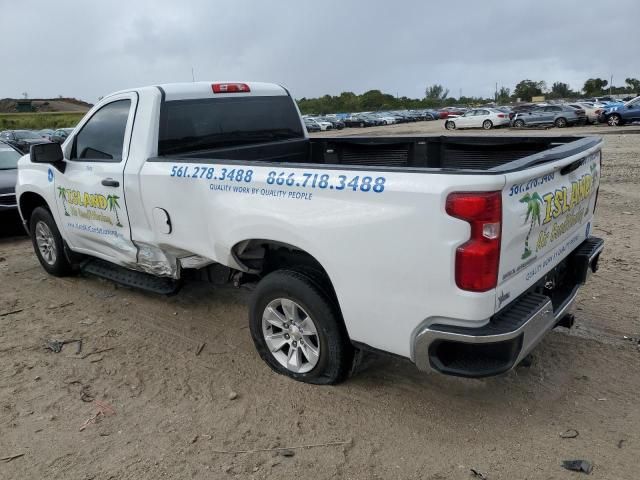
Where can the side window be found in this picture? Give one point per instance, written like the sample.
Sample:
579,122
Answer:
102,137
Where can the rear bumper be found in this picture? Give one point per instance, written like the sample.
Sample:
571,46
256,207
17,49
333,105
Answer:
513,332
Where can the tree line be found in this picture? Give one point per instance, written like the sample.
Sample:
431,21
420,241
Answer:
436,96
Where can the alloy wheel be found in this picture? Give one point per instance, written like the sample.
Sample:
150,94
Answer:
46,243
291,335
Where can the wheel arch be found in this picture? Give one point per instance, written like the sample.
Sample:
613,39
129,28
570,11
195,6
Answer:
28,202
260,256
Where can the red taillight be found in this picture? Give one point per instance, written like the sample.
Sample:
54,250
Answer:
477,260
500,115
230,87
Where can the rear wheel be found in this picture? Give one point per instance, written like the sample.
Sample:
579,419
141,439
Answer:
614,120
449,125
297,328
518,123
560,122
48,243
487,124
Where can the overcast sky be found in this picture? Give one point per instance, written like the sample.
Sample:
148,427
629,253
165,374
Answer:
86,48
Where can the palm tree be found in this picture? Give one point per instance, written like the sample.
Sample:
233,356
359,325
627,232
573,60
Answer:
62,193
534,204
112,202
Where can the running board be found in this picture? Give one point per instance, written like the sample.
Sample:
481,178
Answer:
130,278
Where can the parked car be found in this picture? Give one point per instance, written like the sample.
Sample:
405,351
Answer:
361,120
21,139
486,118
356,120
460,261
387,118
323,124
60,135
552,115
446,112
45,133
9,157
334,121
592,110
312,125
621,114
427,114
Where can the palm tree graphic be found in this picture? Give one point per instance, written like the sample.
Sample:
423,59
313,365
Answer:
594,171
534,203
62,193
112,203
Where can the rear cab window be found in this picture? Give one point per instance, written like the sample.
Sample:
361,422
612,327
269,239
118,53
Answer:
211,123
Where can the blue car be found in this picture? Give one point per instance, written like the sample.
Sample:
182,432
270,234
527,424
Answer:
621,114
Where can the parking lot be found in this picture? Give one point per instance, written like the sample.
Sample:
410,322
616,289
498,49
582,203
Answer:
185,394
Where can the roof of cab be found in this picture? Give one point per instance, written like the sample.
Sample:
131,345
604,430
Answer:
193,90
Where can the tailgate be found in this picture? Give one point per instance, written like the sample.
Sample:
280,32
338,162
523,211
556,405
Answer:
547,213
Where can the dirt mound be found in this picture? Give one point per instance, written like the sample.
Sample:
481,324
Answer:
10,105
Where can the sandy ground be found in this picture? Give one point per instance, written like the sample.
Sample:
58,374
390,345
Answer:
168,412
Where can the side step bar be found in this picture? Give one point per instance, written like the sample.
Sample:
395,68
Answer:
130,278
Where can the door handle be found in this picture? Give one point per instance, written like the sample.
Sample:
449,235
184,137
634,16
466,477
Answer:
110,182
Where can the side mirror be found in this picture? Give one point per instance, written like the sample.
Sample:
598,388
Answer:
48,153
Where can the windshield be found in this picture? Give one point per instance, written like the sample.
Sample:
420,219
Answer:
8,158
203,124
26,135
633,102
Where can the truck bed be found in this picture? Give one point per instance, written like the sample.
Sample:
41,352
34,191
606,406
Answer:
436,153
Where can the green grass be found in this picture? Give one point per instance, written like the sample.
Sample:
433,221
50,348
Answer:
38,121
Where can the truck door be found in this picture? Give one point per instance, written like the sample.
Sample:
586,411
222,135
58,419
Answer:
90,193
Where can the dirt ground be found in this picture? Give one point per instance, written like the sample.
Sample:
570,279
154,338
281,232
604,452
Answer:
169,413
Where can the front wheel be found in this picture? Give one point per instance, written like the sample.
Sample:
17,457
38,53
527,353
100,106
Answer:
518,123
614,120
48,243
297,329
487,125
449,125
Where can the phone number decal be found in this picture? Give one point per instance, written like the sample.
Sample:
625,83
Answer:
533,183
313,180
326,181
209,173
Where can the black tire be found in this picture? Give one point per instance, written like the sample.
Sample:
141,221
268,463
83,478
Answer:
60,266
518,123
560,122
309,291
449,125
487,125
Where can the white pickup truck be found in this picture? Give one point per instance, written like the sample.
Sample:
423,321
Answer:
459,253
